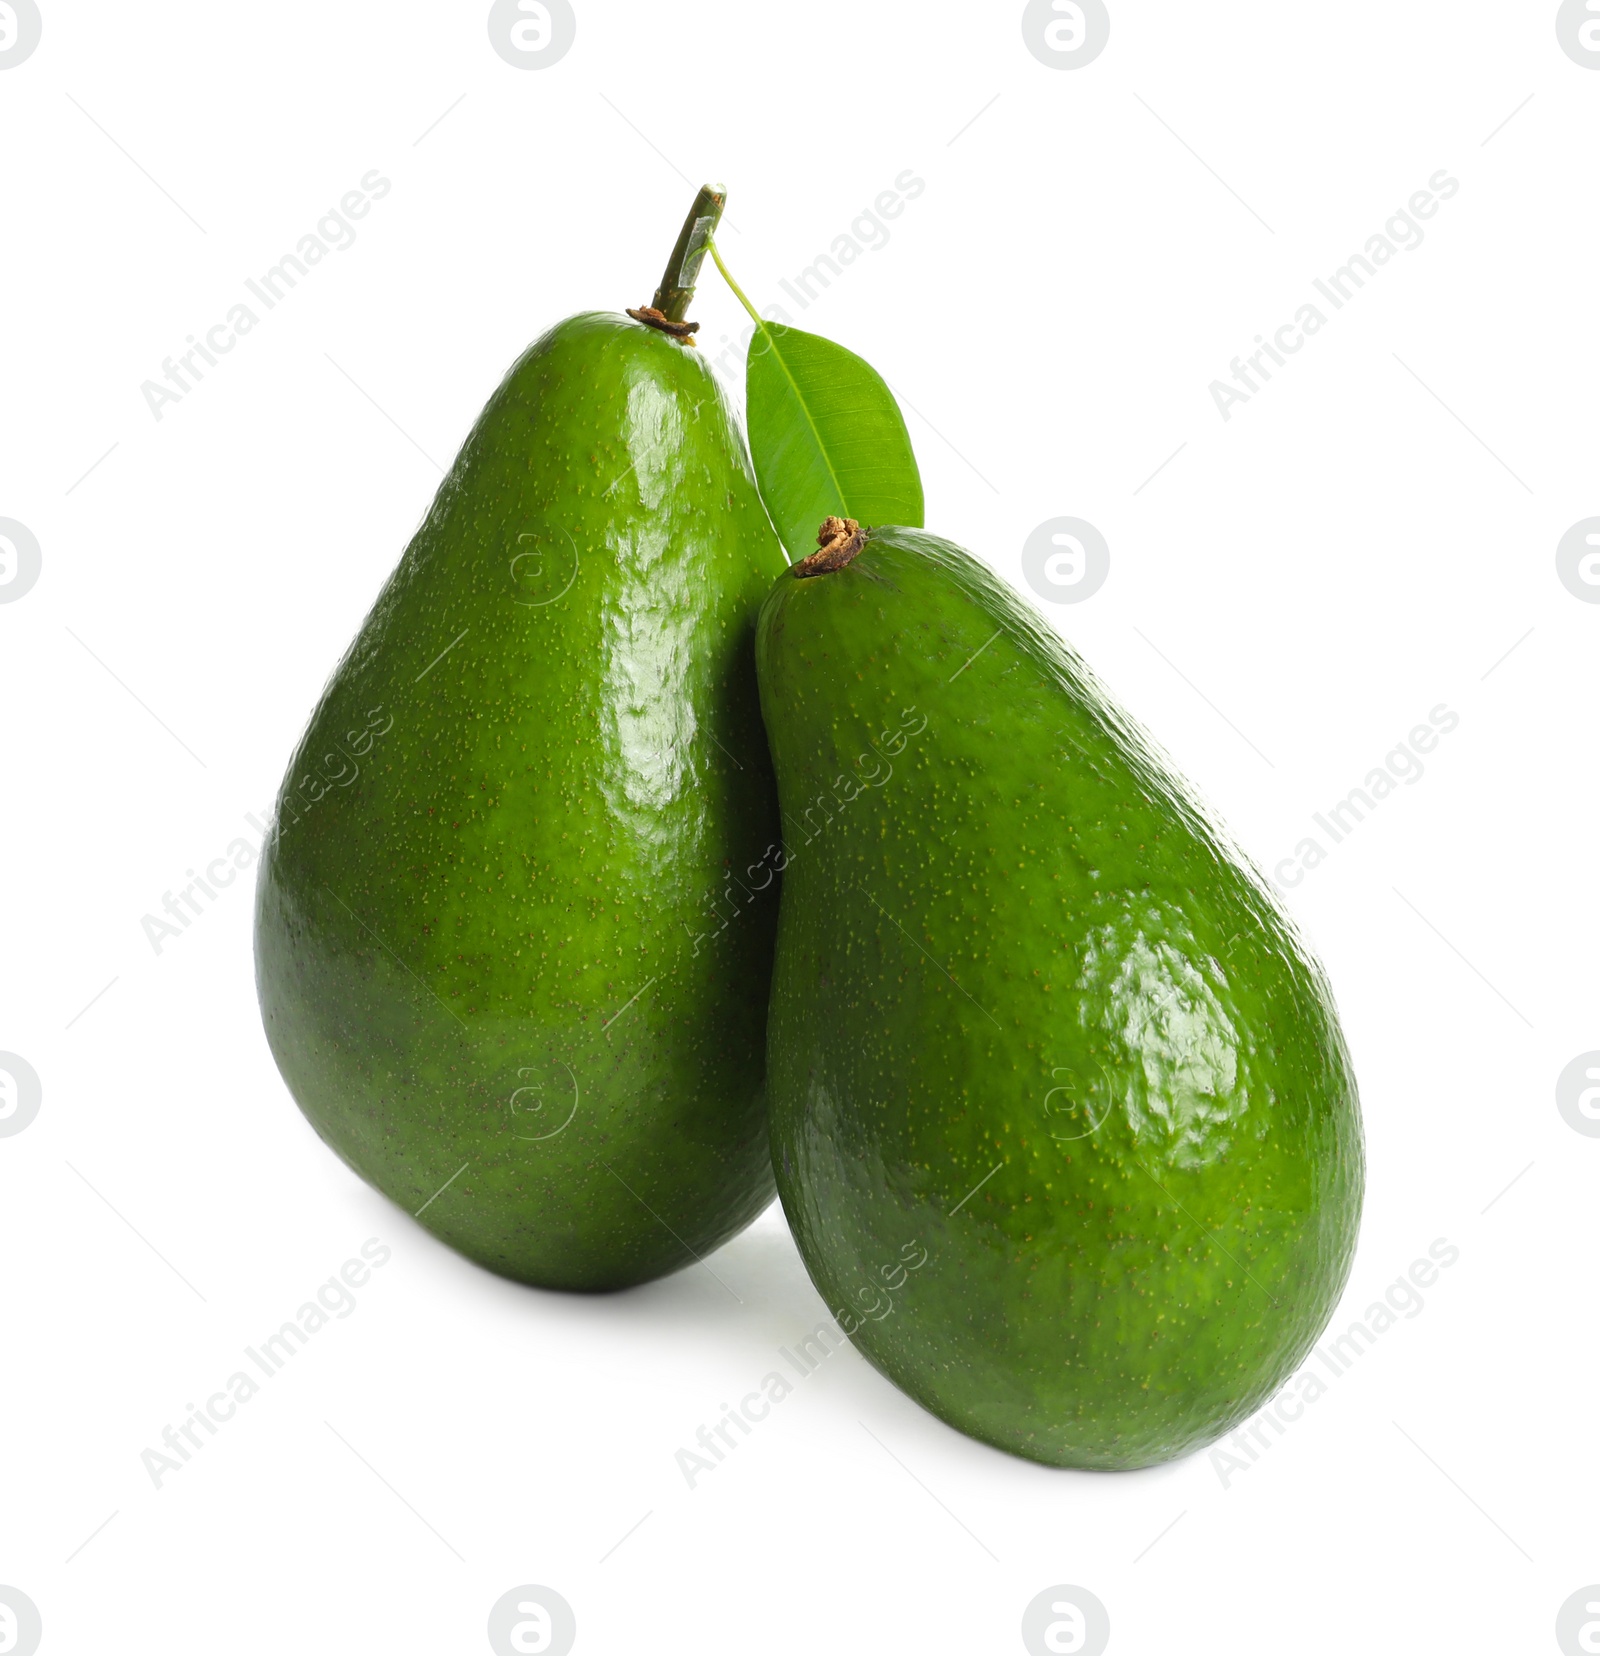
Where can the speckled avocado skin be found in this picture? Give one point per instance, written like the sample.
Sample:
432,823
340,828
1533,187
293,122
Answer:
498,960
1062,1118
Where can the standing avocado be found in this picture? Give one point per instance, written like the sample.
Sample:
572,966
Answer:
1062,1118
514,926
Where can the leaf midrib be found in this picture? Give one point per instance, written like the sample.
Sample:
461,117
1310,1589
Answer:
811,424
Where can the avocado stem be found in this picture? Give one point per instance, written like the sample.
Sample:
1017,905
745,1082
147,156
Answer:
672,298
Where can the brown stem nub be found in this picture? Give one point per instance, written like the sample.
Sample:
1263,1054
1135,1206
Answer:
652,318
839,541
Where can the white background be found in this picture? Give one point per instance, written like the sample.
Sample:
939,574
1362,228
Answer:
1364,540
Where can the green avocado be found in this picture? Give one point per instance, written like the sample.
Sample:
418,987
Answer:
1062,1118
514,926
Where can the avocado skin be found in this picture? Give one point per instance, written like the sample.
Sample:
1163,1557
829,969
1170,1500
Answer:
1024,947
447,941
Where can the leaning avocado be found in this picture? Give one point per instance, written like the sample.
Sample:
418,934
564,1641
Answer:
1062,1118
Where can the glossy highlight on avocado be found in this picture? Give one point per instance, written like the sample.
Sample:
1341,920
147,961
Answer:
1034,1018
498,961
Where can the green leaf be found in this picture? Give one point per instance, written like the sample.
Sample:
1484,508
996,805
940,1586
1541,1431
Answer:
827,438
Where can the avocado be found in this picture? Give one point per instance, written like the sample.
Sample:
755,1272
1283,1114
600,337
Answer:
1062,1118
514,925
